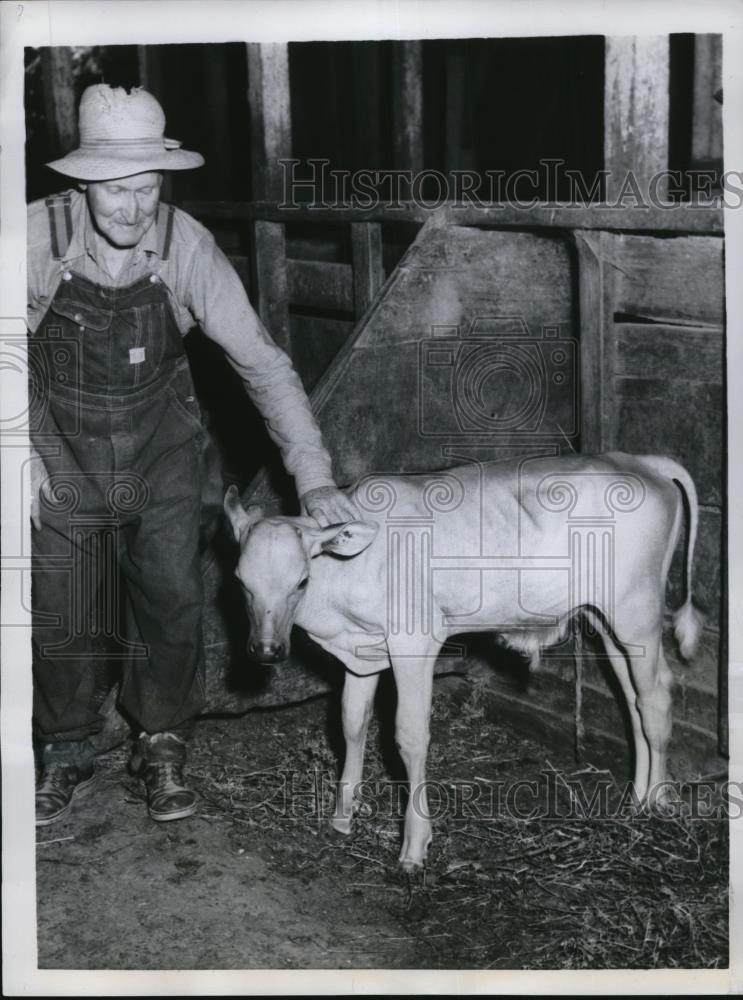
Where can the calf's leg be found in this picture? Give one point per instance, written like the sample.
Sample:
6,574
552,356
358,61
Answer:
621,668
357,704
653,680
414,679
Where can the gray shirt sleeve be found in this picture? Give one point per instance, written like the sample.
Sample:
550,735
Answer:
214,295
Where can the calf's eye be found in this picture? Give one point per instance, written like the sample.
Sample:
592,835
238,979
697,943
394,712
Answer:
303,583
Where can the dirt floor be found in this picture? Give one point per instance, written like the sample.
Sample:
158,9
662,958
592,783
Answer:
255,879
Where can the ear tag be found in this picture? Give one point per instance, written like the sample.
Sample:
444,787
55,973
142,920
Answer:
136,355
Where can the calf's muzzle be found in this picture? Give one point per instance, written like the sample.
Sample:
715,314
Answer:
267,652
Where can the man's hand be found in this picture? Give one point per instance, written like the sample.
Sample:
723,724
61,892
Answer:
39,484
328,506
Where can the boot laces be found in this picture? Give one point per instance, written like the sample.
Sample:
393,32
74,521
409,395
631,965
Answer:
168,773
54,778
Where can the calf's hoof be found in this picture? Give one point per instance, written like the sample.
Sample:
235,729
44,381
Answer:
342,825
413,859
411,865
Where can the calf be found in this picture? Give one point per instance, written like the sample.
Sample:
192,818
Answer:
518,548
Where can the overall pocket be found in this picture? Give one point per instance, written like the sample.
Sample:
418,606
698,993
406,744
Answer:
76,353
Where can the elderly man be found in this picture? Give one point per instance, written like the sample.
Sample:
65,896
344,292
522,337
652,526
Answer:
115,279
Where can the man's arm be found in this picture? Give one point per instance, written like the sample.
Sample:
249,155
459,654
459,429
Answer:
215,296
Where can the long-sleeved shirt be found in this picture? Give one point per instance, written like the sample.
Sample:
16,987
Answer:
203,288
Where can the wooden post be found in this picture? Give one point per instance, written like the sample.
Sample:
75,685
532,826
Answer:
636,106
269,280
59,99
270,117
368,273
407,105
706,142
595,326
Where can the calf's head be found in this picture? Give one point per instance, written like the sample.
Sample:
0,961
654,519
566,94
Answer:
274,567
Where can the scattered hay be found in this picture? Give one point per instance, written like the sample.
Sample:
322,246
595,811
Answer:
504,888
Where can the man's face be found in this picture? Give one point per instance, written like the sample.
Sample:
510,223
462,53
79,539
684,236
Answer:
124,209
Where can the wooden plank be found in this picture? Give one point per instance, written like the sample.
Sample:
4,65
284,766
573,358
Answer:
706,140
59,99
682,419
320,284
307,248
697,218
723,661
270,116
269,280
595,381
656,351
636,108
368,272
679,279
407,105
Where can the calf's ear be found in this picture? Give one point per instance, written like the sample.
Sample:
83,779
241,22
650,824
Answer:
344,539
241,520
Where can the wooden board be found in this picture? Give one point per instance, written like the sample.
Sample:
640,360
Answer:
679,279
269,280
678,218
270,116
320,285
636,109
706,142
681,419
595,309
659,351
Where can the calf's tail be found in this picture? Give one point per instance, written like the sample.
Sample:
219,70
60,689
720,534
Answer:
688,621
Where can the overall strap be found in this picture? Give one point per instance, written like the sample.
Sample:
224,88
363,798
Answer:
165,216
60,223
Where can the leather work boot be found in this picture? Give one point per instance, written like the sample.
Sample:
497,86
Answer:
158,759
60,780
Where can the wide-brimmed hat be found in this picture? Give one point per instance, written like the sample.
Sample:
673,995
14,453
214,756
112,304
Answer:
122,134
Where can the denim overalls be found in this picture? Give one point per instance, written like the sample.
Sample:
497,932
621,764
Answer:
120,433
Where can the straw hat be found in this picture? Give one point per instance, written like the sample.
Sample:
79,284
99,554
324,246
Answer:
122,134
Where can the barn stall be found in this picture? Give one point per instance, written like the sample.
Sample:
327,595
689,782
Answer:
631,303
